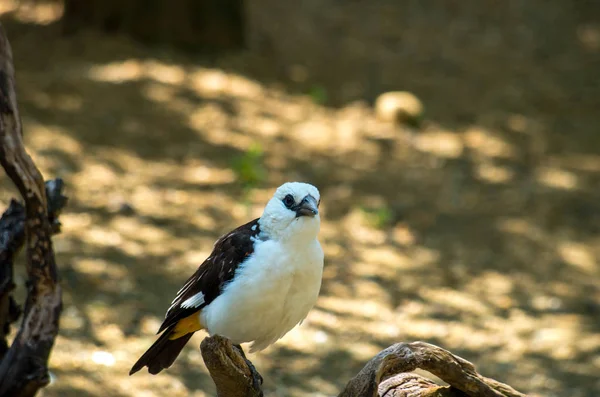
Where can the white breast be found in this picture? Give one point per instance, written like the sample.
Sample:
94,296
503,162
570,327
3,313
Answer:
272,292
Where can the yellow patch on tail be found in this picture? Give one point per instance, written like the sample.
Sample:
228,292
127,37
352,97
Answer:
187,325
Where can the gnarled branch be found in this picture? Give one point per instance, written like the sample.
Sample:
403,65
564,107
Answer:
388,374
12,239
23,369
406,357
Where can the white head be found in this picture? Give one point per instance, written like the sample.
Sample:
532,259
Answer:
292,213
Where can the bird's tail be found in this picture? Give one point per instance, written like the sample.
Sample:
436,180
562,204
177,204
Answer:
162,353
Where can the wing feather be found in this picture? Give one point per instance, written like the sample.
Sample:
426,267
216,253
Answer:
207,283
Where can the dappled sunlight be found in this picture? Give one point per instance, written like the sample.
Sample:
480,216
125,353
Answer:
488,144
492,288
39,12
358,229
385,257
578,255
455,300
493,174
521,227
99,267
177,89
480,236
209,83
557,178
135,69
589,36
117,72
440,143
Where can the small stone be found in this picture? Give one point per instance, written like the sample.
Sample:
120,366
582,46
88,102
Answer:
399,107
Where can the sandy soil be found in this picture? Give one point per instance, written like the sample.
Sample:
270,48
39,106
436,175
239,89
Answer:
481,237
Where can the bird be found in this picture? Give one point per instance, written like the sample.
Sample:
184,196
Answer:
260,281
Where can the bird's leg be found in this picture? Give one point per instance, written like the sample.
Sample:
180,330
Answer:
239,347
257,379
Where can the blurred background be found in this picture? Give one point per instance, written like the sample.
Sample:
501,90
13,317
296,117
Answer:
463,211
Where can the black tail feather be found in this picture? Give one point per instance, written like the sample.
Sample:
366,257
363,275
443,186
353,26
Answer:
161,354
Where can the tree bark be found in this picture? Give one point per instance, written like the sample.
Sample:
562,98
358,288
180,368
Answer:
413,385
12,239
388,374
233,374
23,370
406,357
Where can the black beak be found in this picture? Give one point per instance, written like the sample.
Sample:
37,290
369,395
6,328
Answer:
307,207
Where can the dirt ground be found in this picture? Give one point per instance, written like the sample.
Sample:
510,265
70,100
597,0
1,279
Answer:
482,237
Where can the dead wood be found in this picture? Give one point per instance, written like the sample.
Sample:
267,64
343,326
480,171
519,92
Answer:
388,374
409,384
23,369
12,239
233,374
406,357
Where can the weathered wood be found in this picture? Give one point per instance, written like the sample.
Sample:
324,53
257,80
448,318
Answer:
407,357
233,374
23,370
413,385
12,239
388,374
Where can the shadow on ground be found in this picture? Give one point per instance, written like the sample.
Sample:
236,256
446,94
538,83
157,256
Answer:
479,234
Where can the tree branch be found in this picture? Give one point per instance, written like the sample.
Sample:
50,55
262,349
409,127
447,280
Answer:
388,374
23,369
233,374
12,238
406,357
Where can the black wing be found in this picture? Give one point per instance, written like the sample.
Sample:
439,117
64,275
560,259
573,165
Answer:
219,268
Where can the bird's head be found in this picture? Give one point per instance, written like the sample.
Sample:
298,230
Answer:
292,213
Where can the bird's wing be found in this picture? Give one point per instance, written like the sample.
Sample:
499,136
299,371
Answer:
208,281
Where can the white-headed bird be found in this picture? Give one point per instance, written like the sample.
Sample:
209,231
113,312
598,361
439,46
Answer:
258,283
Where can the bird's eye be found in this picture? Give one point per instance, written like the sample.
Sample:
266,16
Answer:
288,200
